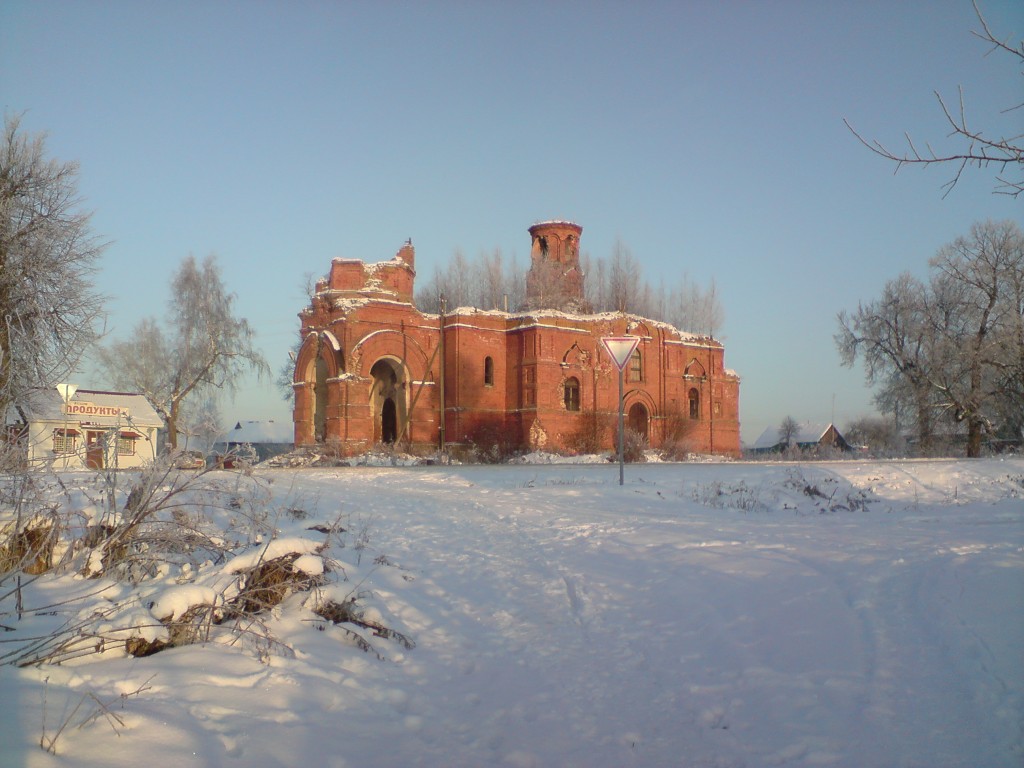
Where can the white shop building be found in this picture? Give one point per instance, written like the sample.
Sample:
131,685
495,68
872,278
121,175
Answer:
78,428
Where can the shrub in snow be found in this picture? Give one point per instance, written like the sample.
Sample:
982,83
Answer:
169,558
591,435
29,547
634,447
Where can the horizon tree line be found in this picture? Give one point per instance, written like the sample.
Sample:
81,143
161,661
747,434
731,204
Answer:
612,284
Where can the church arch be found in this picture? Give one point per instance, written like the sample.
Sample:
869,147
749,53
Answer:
319,359
694,369
388,400
637,419
575,356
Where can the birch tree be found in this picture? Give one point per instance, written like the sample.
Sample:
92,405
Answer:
204,350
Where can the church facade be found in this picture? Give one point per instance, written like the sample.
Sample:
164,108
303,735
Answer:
373,369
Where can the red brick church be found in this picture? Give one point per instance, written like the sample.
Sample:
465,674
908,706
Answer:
373,369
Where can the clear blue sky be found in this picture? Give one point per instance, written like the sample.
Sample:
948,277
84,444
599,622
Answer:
707,136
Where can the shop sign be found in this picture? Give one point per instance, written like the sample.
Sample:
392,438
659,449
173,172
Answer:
81,408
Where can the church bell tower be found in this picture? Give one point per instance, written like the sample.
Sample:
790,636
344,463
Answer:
555,280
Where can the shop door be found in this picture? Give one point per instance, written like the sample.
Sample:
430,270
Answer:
94,450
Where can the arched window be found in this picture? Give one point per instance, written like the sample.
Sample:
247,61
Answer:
488,372
636,368
572,394
694,397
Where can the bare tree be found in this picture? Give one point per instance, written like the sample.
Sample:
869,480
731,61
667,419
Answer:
690,307
879,435
49,312
515,284
976,321
977,149
613,284
596,287
490,281
624,291
789,429
200,423
891,334
206,349
454,283
956,344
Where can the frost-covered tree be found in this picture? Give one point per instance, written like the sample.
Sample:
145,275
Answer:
613,284
891,335
625,291
205,348
49,311
953,345
977,321
879,435
488,282
691,307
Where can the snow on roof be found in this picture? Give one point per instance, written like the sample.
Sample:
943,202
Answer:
555,221
578,317
806,433
256,432
47,405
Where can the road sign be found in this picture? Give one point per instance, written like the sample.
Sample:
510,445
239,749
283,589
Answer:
620,348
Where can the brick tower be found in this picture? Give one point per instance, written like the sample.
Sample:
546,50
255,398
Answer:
555,280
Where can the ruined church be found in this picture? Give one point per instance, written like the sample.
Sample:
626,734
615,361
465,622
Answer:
373,369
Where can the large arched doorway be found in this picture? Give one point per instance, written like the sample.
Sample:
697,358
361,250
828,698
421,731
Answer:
387,401
637,419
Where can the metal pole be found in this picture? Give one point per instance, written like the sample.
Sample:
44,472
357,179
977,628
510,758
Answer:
441,382
621,427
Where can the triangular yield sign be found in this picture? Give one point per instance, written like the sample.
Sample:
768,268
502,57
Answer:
620,348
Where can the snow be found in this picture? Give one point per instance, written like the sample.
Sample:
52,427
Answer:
271,551
714,614
174,602
256,432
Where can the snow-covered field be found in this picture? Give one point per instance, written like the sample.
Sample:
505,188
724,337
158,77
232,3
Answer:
848,614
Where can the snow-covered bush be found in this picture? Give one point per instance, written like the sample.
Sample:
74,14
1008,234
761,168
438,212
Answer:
159,558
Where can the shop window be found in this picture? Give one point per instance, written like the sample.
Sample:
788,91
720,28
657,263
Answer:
636,368
694,404
65,440
488,372
572,394
126,443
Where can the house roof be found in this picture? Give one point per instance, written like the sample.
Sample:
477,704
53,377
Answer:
806,434
257,432
113,409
